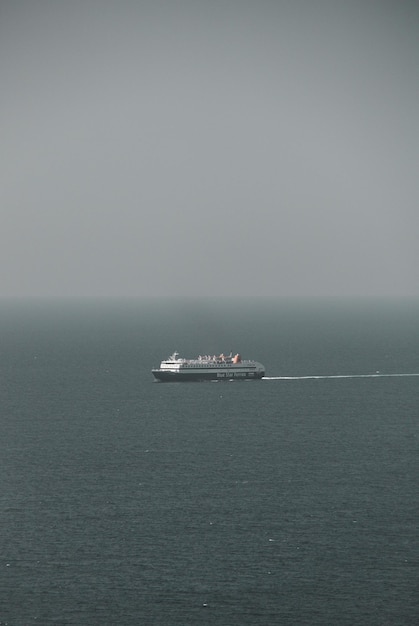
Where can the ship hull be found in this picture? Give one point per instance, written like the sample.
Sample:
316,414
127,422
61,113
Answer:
167,376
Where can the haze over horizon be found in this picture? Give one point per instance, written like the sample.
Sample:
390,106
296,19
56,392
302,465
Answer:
196,148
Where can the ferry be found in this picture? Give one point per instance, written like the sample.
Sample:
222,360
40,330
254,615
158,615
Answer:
207,368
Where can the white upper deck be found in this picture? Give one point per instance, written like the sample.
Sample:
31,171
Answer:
174,362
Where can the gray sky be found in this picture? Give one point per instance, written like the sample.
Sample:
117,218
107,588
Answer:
209,147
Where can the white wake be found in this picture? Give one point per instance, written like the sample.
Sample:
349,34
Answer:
376,375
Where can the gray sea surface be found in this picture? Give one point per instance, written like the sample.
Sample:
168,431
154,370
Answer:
291,500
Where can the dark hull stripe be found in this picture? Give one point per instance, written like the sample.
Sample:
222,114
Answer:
175,377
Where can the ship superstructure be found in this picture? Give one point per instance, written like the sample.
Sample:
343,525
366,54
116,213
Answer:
176,369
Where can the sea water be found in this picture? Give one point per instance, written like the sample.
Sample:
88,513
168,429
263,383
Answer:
290,500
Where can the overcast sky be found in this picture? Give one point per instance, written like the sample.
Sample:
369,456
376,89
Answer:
209,147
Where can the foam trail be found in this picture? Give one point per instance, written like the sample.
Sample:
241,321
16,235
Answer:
377,375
